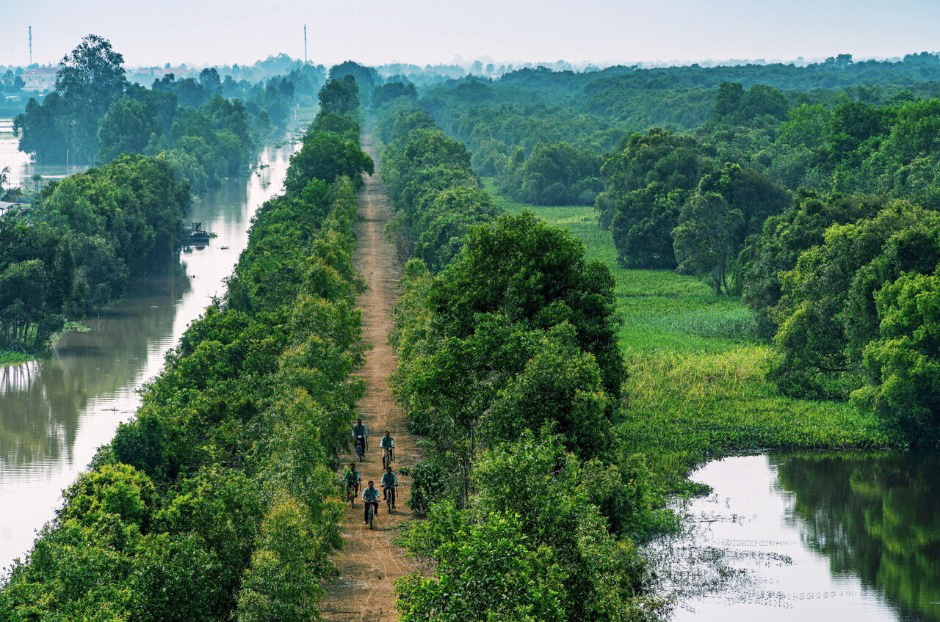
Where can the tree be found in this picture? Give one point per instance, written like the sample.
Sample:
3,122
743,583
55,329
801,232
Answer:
704,238
647,183
327,156
126,127
91,76
904,361
339,95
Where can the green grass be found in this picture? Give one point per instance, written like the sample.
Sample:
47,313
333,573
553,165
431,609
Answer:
697,387
11,358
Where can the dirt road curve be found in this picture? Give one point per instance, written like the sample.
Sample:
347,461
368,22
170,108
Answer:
370,563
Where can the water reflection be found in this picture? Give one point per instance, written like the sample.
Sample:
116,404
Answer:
877,518
56,412
787,538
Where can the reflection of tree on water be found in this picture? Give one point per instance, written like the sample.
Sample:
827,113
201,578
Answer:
42,403
874,517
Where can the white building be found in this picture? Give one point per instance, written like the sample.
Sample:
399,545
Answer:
40,80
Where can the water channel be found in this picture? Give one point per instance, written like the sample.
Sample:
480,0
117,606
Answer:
849,536
55,412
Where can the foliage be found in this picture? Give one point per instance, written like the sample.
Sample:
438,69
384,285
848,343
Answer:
85,236
217,500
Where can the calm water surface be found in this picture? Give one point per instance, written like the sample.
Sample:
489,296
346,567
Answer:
56,412
809,537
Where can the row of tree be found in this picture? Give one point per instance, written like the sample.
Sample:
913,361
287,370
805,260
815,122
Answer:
509,366
218,501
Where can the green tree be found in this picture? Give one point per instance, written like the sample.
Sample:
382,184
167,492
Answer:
705,238
126,127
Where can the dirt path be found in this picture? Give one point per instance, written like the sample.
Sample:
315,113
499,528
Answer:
370,563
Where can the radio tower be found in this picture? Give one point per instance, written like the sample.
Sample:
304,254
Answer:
30,45
305,44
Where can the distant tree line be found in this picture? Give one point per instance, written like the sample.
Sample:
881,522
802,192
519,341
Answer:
207,127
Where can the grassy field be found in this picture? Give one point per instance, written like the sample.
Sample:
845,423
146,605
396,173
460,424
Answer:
697,386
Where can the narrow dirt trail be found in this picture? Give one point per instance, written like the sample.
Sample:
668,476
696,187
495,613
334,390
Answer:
370,563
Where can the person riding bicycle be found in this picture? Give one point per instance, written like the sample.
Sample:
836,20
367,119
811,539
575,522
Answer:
370,496
389,484
388,446
358,430
352,478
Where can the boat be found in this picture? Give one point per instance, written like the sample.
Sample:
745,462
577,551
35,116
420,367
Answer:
197,235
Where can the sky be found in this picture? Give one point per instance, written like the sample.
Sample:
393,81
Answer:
201,32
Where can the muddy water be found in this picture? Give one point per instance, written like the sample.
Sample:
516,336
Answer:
54,413
809,537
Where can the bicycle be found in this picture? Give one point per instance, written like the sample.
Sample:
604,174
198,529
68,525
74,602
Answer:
360,447
390,497
388,455
352,491
371,512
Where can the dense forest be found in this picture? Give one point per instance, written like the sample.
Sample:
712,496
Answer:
217,501
759,179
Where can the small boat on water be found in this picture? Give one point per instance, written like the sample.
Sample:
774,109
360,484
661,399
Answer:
197,235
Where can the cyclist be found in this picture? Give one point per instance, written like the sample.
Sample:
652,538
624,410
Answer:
388,448
358,430
389,485
370,496
352,480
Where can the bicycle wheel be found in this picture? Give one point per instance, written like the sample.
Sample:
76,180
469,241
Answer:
371,516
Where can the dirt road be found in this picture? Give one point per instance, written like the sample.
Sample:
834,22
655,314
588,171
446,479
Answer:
370,563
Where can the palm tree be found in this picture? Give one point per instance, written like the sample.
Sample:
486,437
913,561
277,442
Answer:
37,181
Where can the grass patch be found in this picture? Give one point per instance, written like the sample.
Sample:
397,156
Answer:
697,385
8,357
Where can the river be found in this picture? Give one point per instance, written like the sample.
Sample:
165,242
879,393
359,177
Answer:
848,536
55,412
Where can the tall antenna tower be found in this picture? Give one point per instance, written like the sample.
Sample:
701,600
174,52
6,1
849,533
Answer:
30,45
305,44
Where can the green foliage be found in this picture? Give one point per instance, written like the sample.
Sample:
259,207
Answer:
94,114
84,238
647,182
904,360
436,196
217,501
696,381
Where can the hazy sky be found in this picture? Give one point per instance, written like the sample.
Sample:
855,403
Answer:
431,31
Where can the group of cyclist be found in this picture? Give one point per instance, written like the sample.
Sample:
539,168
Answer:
388,482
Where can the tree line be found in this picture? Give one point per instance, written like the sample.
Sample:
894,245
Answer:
207,127
510,369
218,500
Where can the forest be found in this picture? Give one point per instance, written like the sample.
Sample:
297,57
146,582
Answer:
217,501
757,179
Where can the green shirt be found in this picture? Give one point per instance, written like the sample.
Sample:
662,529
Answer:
389,480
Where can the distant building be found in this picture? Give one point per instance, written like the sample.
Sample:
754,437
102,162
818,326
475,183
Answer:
40,80
146,75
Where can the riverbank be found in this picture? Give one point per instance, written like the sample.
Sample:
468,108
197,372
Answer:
696,388
9,357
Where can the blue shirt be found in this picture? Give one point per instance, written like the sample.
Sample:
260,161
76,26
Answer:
387,442
389,480
370,494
